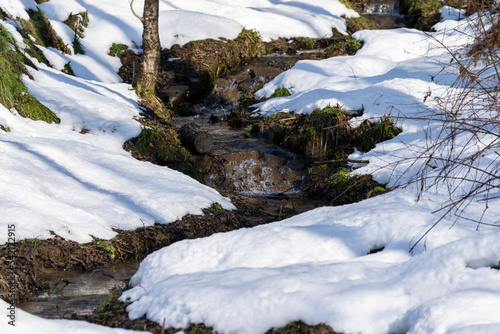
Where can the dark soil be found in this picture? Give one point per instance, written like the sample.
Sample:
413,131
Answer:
113,313
32,256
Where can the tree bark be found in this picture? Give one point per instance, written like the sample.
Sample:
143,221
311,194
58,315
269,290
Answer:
151,46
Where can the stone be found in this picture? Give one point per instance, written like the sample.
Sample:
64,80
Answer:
272,160
173,95
241,156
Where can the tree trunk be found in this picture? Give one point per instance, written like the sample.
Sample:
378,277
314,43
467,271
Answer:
151,46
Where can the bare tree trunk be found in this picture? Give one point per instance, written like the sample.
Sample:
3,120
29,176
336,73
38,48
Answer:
151,46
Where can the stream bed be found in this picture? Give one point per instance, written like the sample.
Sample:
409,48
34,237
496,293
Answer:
258,170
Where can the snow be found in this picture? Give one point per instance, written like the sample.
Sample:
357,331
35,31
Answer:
82,186
181,22
26,323
318,267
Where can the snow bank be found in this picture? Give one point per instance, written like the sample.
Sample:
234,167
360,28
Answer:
80,186
181,21
318,267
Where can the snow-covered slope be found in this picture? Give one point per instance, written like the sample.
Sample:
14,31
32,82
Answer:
317,267
314,267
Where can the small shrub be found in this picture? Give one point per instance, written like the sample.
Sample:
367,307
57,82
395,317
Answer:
77,22
68,69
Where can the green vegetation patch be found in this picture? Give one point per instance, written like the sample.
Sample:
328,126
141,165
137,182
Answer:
423,14
368,134
305,43
78,22
213,58
281,92
40,28
349,46
13,93
359,23
325,133
338,186
117,49
161,145
327,139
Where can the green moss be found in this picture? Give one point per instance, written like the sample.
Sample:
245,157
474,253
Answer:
359,23
422,14
347,188
305,43
349,46
280,92
110,303
157,144
216,207
108,247
13,93
162,146
40,28
368,134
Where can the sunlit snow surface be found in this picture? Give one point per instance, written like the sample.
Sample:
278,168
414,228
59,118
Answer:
317,267
314,267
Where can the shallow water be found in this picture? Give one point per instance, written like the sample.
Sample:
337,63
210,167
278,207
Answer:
76,293
80,293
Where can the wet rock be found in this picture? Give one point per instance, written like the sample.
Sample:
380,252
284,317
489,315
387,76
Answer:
241,156
266,71
240,77
273,160
227,91
173,95
197,140
290,175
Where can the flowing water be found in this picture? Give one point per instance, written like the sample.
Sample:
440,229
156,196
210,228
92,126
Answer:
385,13
247,165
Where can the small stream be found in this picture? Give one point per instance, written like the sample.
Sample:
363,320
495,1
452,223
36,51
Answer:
261,171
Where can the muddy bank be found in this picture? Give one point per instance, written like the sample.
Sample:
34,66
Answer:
26,270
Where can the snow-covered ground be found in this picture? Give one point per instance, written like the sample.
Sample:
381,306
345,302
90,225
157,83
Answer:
317,267
313,267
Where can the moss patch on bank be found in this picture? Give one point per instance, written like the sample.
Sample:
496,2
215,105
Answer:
13,93
326,138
